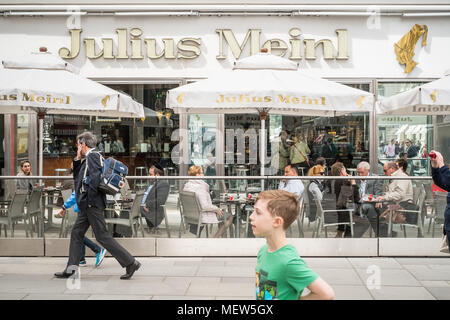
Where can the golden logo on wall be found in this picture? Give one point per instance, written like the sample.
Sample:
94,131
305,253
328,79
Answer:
404,48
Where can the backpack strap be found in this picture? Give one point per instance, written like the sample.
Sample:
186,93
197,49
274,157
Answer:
86,168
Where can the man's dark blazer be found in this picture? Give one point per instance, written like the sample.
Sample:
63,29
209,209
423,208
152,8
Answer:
374,187
92,197
155,199
412,151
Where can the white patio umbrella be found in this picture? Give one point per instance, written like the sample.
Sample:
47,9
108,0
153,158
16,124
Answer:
266,83
432,98
42,83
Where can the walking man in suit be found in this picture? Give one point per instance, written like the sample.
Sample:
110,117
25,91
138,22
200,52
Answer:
92,202
155,197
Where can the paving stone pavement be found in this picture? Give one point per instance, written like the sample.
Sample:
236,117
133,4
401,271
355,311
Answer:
193,278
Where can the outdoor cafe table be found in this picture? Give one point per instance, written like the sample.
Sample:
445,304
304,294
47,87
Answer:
390,212
237,202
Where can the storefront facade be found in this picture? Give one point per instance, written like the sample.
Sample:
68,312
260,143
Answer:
144,54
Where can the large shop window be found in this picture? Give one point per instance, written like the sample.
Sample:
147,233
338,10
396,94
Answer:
302,140
408,137
136,142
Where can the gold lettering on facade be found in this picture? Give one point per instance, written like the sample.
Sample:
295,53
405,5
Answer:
90,49
136,44
342,45
253,36
108,48
276,44
169,49
189,45
236,49
122,52
295,44
311,45
404,48
74,45
167,52
151,49
190,48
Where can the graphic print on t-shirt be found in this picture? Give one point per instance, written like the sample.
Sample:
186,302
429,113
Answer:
265,289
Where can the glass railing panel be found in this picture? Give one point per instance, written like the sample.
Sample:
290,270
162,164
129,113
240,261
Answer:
235,197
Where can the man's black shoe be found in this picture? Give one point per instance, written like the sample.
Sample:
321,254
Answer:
130,270
64,274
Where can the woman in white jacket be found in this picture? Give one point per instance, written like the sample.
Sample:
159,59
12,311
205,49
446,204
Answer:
201,190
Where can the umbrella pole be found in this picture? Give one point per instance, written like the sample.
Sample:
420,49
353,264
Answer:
41,116
262,144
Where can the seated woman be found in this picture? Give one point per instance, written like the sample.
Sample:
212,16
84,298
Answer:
201,190
315,187
402,164
25,170
343,194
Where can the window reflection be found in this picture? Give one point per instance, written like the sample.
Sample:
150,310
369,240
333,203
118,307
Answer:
407,137
138,143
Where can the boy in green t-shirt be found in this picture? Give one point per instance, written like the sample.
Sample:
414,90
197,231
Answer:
280,272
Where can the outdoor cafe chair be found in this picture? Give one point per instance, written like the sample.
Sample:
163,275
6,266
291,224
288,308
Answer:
191,212
321,218
420,203
439,205
16,212
68,220
166,222
67,223
134,216
300,218
34,212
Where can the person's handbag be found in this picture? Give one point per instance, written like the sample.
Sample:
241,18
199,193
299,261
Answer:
444,242
397,217
345,195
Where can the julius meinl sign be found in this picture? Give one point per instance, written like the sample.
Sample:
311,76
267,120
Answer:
190,48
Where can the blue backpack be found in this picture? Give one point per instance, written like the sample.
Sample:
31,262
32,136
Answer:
113,175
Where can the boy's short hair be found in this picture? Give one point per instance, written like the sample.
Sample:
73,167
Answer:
282,204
